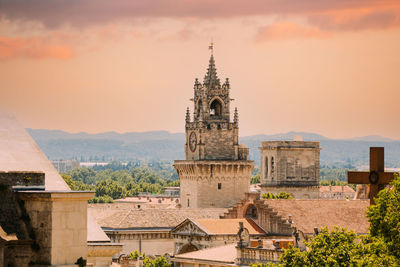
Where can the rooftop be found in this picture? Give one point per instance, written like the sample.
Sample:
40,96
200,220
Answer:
336,188
128,216
307,214
151,201
18,152
224,254
228,226
289,144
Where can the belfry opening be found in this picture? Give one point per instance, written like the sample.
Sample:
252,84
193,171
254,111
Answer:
216,108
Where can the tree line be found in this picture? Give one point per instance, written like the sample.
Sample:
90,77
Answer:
111,183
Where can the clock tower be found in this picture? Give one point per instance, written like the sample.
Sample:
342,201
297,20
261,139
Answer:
216,172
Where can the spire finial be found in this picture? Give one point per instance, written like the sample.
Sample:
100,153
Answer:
211,80
211,47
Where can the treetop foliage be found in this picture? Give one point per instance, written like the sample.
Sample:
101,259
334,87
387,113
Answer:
148,262
112,184
281,195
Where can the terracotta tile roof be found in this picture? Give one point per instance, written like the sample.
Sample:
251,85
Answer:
168,202
125,215
310,213
227,226
336,188
225,254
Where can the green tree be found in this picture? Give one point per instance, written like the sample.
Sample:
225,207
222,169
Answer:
339,247
255,179
157,262
76,185
103,199
135,255
83,174
281,195
384,216
110,188
328,248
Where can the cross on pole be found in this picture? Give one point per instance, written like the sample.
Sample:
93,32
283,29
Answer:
376,178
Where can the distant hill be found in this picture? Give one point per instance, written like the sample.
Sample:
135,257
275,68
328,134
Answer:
162,145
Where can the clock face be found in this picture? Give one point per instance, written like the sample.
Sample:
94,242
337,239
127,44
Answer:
192,141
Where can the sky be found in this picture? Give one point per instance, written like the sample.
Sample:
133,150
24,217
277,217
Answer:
330,66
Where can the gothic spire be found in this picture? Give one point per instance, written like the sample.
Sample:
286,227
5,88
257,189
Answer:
211,79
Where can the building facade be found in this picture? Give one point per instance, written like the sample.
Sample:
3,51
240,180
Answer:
290,166
191,235
216,171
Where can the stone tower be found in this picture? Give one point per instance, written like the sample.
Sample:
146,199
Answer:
290,166
216,171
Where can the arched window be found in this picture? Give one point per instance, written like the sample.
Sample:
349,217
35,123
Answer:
272,167
251,212
266,168
199,108
216,108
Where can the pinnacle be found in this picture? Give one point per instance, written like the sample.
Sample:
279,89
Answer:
211,79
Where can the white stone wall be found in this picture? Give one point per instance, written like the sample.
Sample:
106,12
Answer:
199,182
69,231
294,163
149,243
59,221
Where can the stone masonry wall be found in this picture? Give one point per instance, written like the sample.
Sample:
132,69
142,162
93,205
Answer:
59,220
290,163
219,184
219,144
10,210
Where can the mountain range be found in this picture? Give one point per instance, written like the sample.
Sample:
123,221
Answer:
162,145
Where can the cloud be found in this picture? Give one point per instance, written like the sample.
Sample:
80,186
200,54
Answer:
288,30
32,47
324,13
353,20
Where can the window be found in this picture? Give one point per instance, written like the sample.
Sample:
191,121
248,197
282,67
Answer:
188,202
219,186
266,168
272,168
199,108
216,108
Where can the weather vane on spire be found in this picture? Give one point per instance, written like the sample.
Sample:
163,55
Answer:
211,47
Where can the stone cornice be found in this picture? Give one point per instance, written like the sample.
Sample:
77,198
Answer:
56,195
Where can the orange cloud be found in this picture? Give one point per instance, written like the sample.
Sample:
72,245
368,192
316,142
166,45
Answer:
89,12
288,30
33,47
357,19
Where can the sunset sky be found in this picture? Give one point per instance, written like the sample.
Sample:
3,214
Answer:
330,66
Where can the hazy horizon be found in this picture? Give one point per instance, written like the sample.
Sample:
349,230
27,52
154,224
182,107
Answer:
169,132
